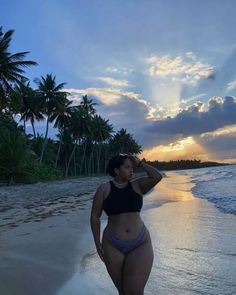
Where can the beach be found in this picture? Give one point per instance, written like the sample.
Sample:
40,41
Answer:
47,247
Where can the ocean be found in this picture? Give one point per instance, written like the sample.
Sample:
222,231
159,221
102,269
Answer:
215,184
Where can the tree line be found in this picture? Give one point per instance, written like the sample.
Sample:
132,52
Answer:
85,140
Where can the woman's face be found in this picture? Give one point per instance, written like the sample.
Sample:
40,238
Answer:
126,169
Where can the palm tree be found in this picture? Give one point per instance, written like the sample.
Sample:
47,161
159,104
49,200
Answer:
51,96
101,132
123,142
66,139
87,105
61,116
10,67
24,100
89,111
80,126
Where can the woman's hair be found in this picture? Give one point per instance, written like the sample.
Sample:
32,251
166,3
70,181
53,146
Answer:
115,162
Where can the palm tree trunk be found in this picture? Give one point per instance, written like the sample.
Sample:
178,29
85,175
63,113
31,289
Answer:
70,158
99,156
84,150
58,153
105,159
65,162
45,141
32,123
89,163
85,165
93,163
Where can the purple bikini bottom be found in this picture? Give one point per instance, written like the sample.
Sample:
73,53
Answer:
126,246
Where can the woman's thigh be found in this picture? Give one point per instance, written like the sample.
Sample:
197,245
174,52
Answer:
137,267
114,260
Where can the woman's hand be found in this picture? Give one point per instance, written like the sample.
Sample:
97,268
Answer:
134,159
100,251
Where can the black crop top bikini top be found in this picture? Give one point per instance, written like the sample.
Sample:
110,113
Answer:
121,200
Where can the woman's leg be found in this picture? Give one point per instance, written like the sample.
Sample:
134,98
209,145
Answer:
137,267
114,260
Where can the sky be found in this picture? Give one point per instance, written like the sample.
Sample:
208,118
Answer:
163,70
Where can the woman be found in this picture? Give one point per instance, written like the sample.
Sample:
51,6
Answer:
126,247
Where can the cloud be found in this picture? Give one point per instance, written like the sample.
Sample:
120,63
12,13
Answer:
188,70
193,120
186,100
191,55
122,70
107,96
115,82
220,144
231,85
223,73
113,97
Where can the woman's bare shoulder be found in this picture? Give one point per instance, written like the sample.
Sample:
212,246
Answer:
105,184
105,187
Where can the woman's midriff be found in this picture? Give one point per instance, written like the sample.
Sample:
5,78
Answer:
125,226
